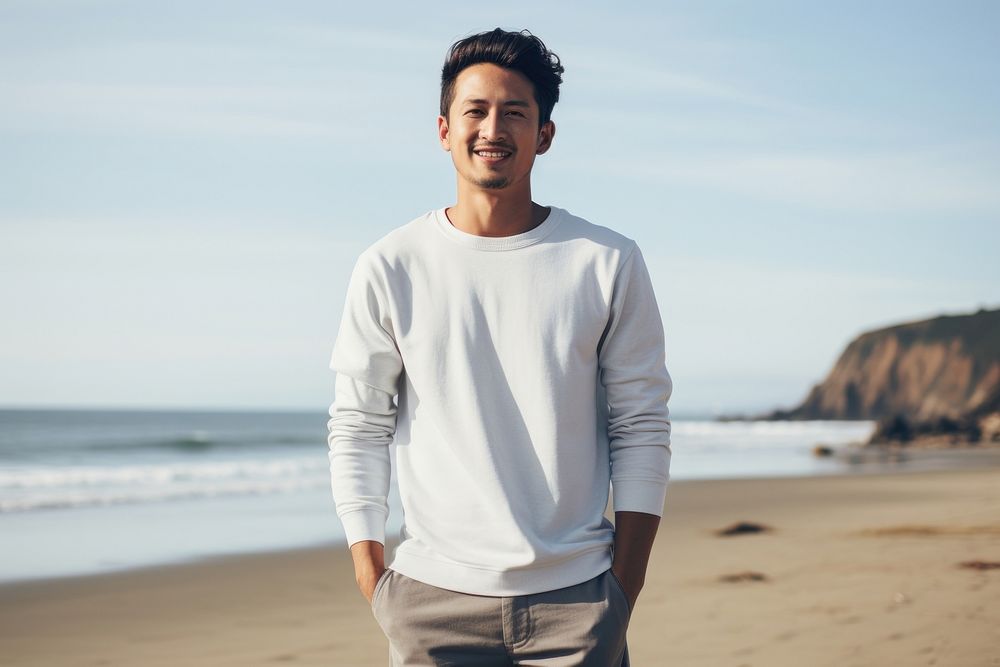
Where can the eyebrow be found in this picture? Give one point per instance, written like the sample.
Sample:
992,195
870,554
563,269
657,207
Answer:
507,103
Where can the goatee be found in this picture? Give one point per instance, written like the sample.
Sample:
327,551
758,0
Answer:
497,183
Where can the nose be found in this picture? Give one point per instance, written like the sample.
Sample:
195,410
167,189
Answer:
492,128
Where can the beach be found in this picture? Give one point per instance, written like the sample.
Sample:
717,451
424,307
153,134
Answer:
851,570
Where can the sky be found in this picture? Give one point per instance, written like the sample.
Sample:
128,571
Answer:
185,186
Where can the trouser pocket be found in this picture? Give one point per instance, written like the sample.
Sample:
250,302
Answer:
379,585
616,584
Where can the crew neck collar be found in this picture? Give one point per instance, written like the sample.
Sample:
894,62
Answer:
497,243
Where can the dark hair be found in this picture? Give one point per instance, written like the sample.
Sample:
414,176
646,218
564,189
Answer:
519,51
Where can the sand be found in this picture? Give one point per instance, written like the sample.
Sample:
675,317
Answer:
857,570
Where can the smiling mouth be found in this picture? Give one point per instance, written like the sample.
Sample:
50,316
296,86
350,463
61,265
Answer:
492,155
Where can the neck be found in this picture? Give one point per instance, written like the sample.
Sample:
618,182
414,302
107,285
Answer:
496,213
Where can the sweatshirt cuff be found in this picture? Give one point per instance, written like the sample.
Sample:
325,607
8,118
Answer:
639,495
360,525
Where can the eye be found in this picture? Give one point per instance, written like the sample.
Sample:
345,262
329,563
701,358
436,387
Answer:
474,112
515,113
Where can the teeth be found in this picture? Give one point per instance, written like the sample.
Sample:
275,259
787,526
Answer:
491,154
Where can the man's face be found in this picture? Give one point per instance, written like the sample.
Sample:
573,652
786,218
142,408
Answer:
492,127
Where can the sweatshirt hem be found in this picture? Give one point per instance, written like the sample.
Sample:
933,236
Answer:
478,581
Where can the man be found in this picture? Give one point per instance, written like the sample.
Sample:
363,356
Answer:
524,349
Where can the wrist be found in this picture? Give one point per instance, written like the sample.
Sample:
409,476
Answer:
368,554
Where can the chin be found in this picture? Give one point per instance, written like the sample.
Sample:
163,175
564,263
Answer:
494,183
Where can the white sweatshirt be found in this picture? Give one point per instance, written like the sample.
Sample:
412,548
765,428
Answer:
530,373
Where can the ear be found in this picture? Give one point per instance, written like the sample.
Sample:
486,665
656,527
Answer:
443,136
545,135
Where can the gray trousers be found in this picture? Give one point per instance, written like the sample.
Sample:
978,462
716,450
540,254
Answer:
580,625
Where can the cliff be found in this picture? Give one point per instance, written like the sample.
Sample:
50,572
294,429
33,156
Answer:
943,368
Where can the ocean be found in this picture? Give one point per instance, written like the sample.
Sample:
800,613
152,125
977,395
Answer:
91,491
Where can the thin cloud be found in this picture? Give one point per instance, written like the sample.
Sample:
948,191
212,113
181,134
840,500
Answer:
370,39
628,75
228,110
904,181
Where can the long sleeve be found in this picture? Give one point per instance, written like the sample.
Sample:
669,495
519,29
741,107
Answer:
363,415
638,386
361,427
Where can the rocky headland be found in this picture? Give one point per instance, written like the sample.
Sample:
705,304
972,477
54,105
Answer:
932,383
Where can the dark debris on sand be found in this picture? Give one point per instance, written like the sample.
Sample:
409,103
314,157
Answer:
980,565
743,528
743,576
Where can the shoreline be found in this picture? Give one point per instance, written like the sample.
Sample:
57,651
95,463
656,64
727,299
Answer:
861,461
860,569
